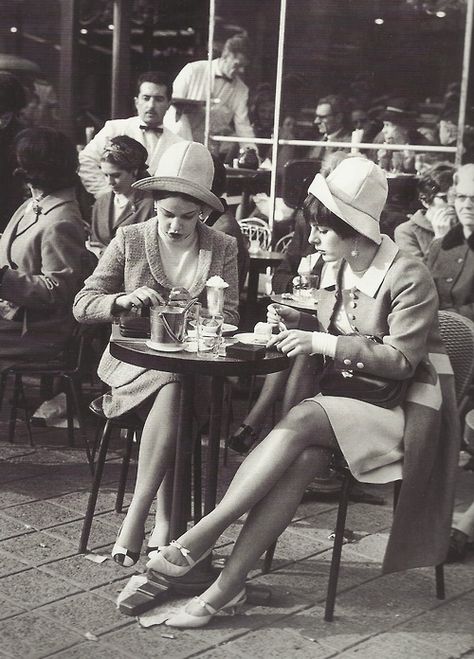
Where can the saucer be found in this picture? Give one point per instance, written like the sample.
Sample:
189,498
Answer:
164,347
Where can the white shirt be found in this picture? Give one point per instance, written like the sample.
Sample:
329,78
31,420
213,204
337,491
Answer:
229,102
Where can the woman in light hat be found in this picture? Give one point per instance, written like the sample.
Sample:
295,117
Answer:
373,291
139,267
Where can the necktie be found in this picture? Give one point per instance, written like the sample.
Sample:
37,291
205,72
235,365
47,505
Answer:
152,129
223,77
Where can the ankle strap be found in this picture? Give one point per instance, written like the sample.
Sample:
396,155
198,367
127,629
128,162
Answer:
210,609
184,552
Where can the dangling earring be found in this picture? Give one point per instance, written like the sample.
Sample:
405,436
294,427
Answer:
355,251
201,216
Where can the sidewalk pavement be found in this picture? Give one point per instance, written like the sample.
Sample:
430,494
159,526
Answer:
56,603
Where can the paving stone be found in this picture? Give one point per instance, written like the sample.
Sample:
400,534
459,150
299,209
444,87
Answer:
8,450
85,612
150,643
8,609
38,547
83,572
11,564
92,649
48,456
394,645
9,527
41,514
448,626
37,488
102,533
33,588
277,642
77,501
10,471
31,636
112,590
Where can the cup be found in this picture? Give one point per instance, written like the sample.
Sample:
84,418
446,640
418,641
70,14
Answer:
209,334
254,246
215,299
167,327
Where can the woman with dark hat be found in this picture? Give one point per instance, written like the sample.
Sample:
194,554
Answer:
138,269
123,162
377,315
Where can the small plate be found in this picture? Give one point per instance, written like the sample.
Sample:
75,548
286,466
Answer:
164,347
253,339
228,329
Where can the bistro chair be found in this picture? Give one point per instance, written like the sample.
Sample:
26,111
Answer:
457,333
259,231
68,367
282,244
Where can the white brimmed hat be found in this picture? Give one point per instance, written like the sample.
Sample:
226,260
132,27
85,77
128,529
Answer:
356,191
184,167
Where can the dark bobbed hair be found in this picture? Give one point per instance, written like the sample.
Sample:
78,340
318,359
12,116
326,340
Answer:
438,178
220,177
12,93
126,153
164,194
315,212
157,78
337,102
46,158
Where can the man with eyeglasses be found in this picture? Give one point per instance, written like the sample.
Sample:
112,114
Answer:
451,259
330,121
229,96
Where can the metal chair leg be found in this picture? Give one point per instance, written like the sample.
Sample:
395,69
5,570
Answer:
13,409
70,415
267,561
397,486
86,527
124,471
26,411
75,391
3,381
440,589
197,478
337,549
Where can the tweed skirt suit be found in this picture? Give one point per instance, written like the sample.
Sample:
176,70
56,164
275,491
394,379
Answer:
132,260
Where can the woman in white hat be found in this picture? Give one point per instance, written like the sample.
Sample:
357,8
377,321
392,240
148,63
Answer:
377,314
138,269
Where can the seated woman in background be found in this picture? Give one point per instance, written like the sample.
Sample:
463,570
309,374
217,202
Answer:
451,259
123,162
437,217
43,259
138,269
377,315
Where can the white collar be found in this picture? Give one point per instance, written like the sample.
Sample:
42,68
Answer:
375,273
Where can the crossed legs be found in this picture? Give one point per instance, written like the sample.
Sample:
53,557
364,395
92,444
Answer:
268,485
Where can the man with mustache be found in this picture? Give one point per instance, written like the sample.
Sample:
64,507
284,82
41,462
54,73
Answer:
152,100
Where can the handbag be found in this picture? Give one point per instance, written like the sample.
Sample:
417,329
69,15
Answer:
373,389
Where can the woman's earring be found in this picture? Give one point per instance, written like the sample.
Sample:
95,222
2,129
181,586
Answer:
355,251
201,216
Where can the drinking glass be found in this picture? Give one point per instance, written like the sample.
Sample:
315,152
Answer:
209,334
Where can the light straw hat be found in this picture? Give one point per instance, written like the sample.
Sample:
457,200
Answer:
356,191
184,167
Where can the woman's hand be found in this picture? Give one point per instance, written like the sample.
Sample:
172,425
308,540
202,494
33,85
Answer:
293,342
277,314
442,220
141,297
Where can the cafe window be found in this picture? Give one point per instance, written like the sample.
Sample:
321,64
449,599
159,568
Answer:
387,78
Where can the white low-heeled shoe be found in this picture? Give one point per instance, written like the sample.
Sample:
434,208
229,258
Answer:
160,564
187,620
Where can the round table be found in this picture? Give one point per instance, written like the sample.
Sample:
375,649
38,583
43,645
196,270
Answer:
309,305
135,351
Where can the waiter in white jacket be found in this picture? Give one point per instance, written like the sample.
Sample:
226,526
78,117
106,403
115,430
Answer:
152,101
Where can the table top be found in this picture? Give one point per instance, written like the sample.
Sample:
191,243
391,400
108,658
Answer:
309,305
242,172
135,351
267,257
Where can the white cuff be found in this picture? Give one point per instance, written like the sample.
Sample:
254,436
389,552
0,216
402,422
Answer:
323,344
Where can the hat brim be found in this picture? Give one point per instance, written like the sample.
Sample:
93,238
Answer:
348,214
176,184
402,119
